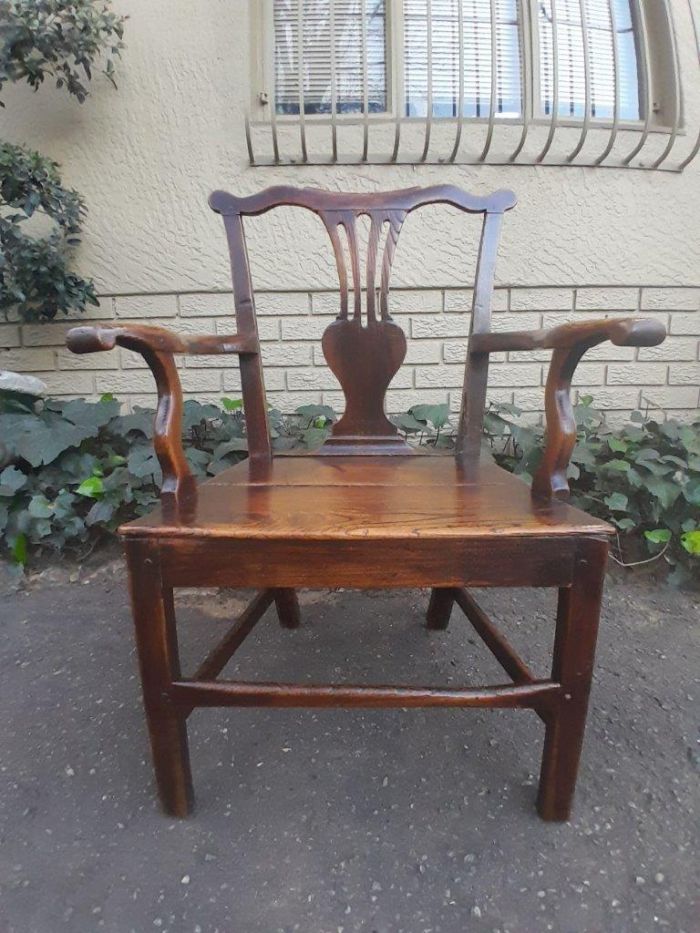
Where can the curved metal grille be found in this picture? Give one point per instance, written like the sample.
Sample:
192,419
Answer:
584,69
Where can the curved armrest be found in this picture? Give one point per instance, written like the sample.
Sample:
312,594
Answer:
569,343
142,338
550,479
625,332
157,345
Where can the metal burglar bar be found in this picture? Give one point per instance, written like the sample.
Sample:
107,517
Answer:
503,82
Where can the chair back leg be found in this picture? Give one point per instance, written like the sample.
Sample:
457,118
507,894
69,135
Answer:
288,610
439,608
578,614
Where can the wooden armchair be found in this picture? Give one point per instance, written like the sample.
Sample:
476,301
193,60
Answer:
341,517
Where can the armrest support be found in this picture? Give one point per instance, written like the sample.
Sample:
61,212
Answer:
569,343
158,345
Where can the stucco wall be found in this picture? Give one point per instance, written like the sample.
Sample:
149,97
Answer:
581,243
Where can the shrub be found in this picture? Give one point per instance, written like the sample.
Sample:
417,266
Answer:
39,39
59,39
643,478
74,471
71,472
35,276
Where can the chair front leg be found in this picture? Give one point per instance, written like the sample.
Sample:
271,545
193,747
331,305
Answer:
159,664
578,615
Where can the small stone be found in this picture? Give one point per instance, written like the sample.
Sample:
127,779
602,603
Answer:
659,877
185,879
639,881
476,911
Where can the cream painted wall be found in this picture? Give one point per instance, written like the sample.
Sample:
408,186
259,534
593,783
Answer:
146,156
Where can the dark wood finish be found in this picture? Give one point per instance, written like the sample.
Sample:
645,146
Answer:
288,610
439,608
365,358
159,664
187,693
157,346
351,498
495,641
574,652
367,510
218,657
569,343
367,564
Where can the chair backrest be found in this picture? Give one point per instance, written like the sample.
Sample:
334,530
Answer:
364,356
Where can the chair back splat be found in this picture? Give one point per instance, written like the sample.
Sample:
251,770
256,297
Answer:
363,355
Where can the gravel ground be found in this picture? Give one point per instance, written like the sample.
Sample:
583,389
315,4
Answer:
338,821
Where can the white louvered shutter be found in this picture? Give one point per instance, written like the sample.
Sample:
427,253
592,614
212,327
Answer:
321,69
571,91
441,19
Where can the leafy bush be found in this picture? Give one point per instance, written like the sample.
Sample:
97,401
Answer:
59,39
35,278
42,39
643,478
71,472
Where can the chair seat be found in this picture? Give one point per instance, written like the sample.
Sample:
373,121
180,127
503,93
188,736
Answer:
365,497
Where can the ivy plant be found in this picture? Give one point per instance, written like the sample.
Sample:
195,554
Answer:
71,472
644,478
63,41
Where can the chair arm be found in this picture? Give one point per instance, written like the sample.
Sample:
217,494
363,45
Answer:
157,345
141,338
569,342
625,332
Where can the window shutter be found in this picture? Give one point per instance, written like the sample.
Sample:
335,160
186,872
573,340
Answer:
323,65
441,19
602,29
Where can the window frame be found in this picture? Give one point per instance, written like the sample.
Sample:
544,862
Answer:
664,98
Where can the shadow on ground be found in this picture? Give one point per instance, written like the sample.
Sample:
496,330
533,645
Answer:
338,821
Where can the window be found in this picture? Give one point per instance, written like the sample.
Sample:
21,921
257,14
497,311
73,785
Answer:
442,41
600,32
563,63
324,50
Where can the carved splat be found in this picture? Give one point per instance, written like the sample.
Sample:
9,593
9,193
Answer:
364,356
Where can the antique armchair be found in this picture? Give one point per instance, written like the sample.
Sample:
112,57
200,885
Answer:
340,517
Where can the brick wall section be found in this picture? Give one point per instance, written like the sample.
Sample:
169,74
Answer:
436,323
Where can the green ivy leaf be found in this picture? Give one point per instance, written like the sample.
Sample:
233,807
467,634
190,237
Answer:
40,507
617,445
100,513
18,549
91,488
232,404
437,415
621,466
317,411
11,479
658,536
617,502
690,541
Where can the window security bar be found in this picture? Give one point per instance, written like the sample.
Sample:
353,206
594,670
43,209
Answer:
618,134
